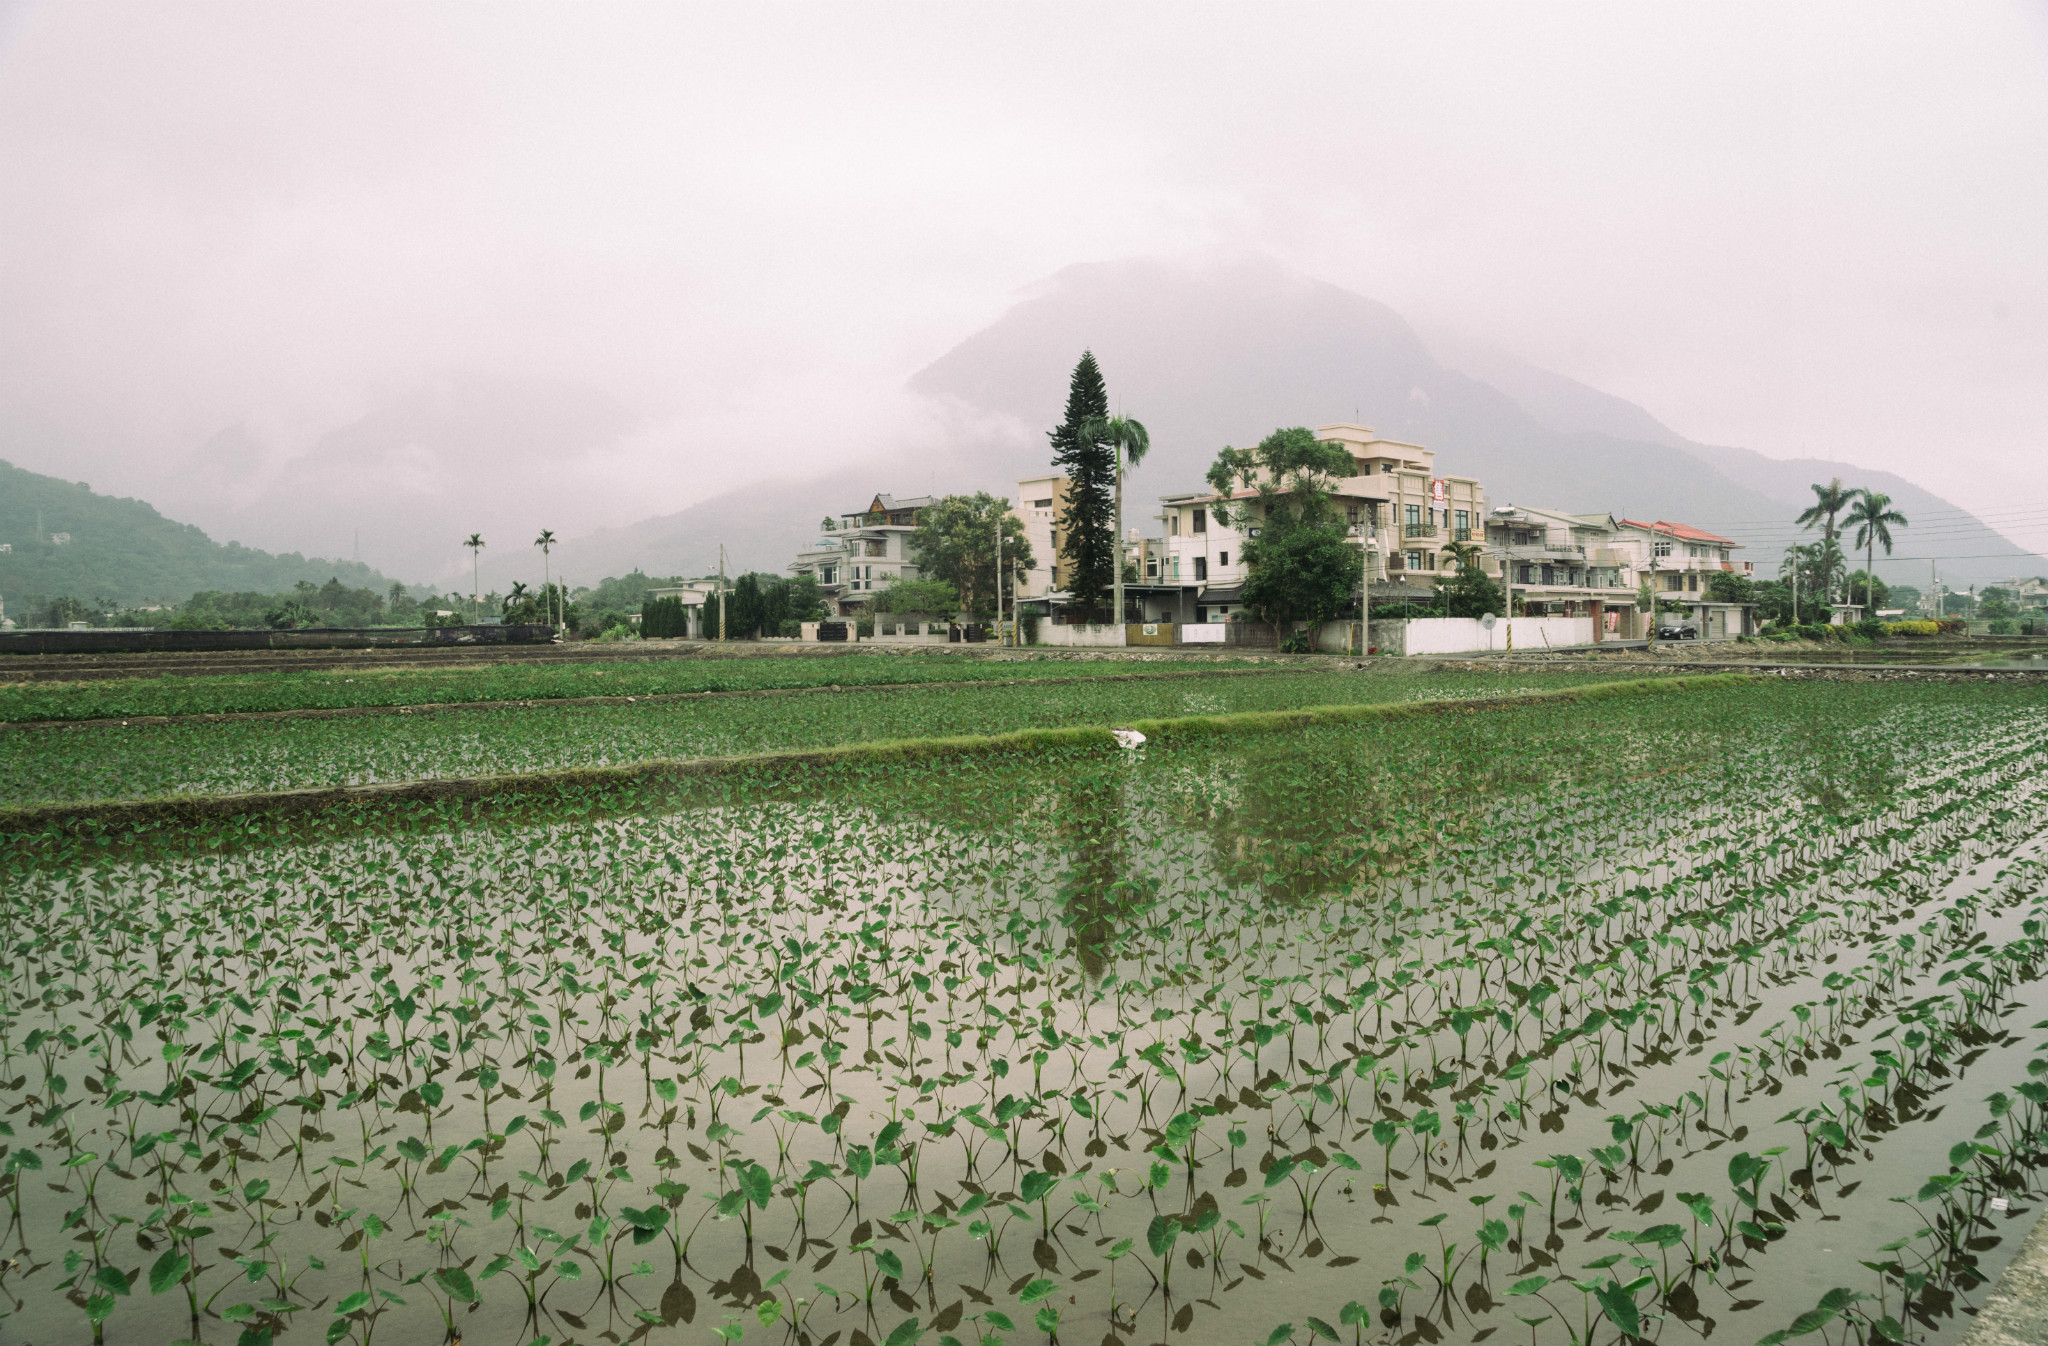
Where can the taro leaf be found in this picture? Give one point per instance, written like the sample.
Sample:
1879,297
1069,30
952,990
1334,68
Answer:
1529,1286
1036,1185
647,1224
456,1282
1181,1130
112,1280
1322,1329
413,1149
1038,1289
1279,1334
1354,1312
168,1271
1161,1233
1281,1168
999,1320
1048,1318
860,1161
433,1093
1620,1306
889,1264
759,1185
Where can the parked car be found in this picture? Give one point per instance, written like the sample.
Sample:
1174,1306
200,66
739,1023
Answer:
1678,631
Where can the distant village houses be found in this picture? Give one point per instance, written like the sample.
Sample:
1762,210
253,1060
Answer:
1409,519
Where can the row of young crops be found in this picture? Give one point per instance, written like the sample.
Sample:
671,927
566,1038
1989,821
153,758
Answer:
397,685
1659,1017
74,763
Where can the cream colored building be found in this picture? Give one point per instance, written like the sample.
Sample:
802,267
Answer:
1396,501
1040,502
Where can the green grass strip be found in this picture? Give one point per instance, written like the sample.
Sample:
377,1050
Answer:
1274,721
98,816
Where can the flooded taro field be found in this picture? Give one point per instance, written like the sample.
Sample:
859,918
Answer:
1716,1015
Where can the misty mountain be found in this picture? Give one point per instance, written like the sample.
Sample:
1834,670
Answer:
406,481
1208,355
124,550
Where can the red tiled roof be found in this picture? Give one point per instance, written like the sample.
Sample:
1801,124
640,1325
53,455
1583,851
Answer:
1682,531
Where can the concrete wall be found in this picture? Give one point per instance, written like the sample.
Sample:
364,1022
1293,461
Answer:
1201,633
1464,635
1090,634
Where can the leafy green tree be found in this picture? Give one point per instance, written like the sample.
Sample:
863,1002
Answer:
1995,603
955,544
1903,596
1873,517
1087,538
1773,599
1470,592
1724,586
937,597
1876,593
1298,565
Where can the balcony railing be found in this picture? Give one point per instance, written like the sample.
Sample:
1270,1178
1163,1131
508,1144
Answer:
1418,530
1461,534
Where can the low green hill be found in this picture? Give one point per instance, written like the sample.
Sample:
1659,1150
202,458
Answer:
124,550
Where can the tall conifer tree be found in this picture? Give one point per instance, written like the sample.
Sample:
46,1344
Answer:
1087,549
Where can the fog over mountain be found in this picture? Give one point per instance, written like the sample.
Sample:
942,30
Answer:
337,279
1213,353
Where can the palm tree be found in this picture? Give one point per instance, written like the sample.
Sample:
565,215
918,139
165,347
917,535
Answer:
475,543
1130,440
1873,516
1828,501
1794,562
516,597
546,542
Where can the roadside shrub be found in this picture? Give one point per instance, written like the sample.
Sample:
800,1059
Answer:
1912,628
2004,626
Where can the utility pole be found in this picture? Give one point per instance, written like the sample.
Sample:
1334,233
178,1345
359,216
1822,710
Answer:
1000,642
1367,536
721,591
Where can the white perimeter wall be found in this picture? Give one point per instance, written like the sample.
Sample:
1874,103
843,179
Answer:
1464,635
1054,633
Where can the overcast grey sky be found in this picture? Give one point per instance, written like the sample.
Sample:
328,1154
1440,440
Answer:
1803,229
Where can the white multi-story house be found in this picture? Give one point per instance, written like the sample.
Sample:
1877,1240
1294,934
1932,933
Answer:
867,551
1563,565
1396,501
1678,562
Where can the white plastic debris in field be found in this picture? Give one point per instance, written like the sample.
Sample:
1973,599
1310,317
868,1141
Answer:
1128,738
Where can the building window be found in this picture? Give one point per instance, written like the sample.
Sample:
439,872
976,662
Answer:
1173,523
876,547
1464,520
1414,515
1041,504
1692,579
1223,558
829,574
1201,565
1414,557
1522,574
1151,567
1351,515
1201,521
1663,549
